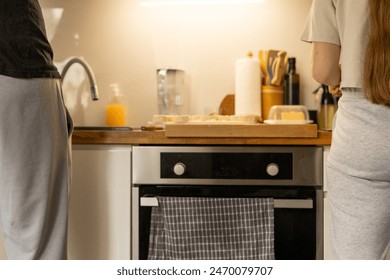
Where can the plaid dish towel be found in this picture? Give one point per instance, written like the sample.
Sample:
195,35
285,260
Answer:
196,228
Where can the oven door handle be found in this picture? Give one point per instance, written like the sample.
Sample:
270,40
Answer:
278,203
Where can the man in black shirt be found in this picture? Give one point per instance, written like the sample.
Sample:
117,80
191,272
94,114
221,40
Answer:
35,131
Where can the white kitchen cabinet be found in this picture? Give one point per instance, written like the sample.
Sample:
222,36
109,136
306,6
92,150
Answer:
99,213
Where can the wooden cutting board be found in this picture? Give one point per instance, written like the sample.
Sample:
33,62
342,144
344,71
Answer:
242,130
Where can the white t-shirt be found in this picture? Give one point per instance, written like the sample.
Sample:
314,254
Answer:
344,23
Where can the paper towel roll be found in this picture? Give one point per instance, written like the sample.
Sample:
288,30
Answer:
247,84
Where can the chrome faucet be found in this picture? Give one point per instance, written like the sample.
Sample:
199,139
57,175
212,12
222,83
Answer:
88,70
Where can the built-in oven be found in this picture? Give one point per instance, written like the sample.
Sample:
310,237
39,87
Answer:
291,175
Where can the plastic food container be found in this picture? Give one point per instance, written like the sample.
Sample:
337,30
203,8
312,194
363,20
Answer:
288,114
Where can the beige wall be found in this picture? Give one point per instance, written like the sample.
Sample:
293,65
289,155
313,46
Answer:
125,43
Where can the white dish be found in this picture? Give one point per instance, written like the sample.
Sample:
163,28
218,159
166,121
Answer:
288,121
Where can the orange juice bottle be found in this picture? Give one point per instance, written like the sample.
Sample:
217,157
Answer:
116,110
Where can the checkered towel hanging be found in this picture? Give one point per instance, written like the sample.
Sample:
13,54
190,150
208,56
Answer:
206,228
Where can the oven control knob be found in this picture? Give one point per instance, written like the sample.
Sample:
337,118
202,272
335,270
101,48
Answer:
272,169
179,168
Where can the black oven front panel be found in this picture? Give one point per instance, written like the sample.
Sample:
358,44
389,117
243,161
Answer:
268,166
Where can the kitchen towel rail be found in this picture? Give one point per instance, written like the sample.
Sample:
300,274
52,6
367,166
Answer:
278,203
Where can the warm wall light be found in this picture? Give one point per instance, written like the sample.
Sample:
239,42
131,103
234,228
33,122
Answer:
195,2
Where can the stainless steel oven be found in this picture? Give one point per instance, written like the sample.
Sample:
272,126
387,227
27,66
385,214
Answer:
291,175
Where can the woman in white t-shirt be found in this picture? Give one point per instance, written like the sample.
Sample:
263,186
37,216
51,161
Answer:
350,52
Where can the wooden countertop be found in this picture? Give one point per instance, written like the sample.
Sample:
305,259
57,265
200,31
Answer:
139,137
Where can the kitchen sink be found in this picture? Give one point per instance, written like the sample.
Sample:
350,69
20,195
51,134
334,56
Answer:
105,128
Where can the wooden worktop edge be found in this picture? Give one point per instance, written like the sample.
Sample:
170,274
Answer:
158,138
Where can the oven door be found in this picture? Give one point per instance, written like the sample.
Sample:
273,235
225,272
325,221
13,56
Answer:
297,215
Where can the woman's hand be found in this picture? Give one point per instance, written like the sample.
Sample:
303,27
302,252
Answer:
335,90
